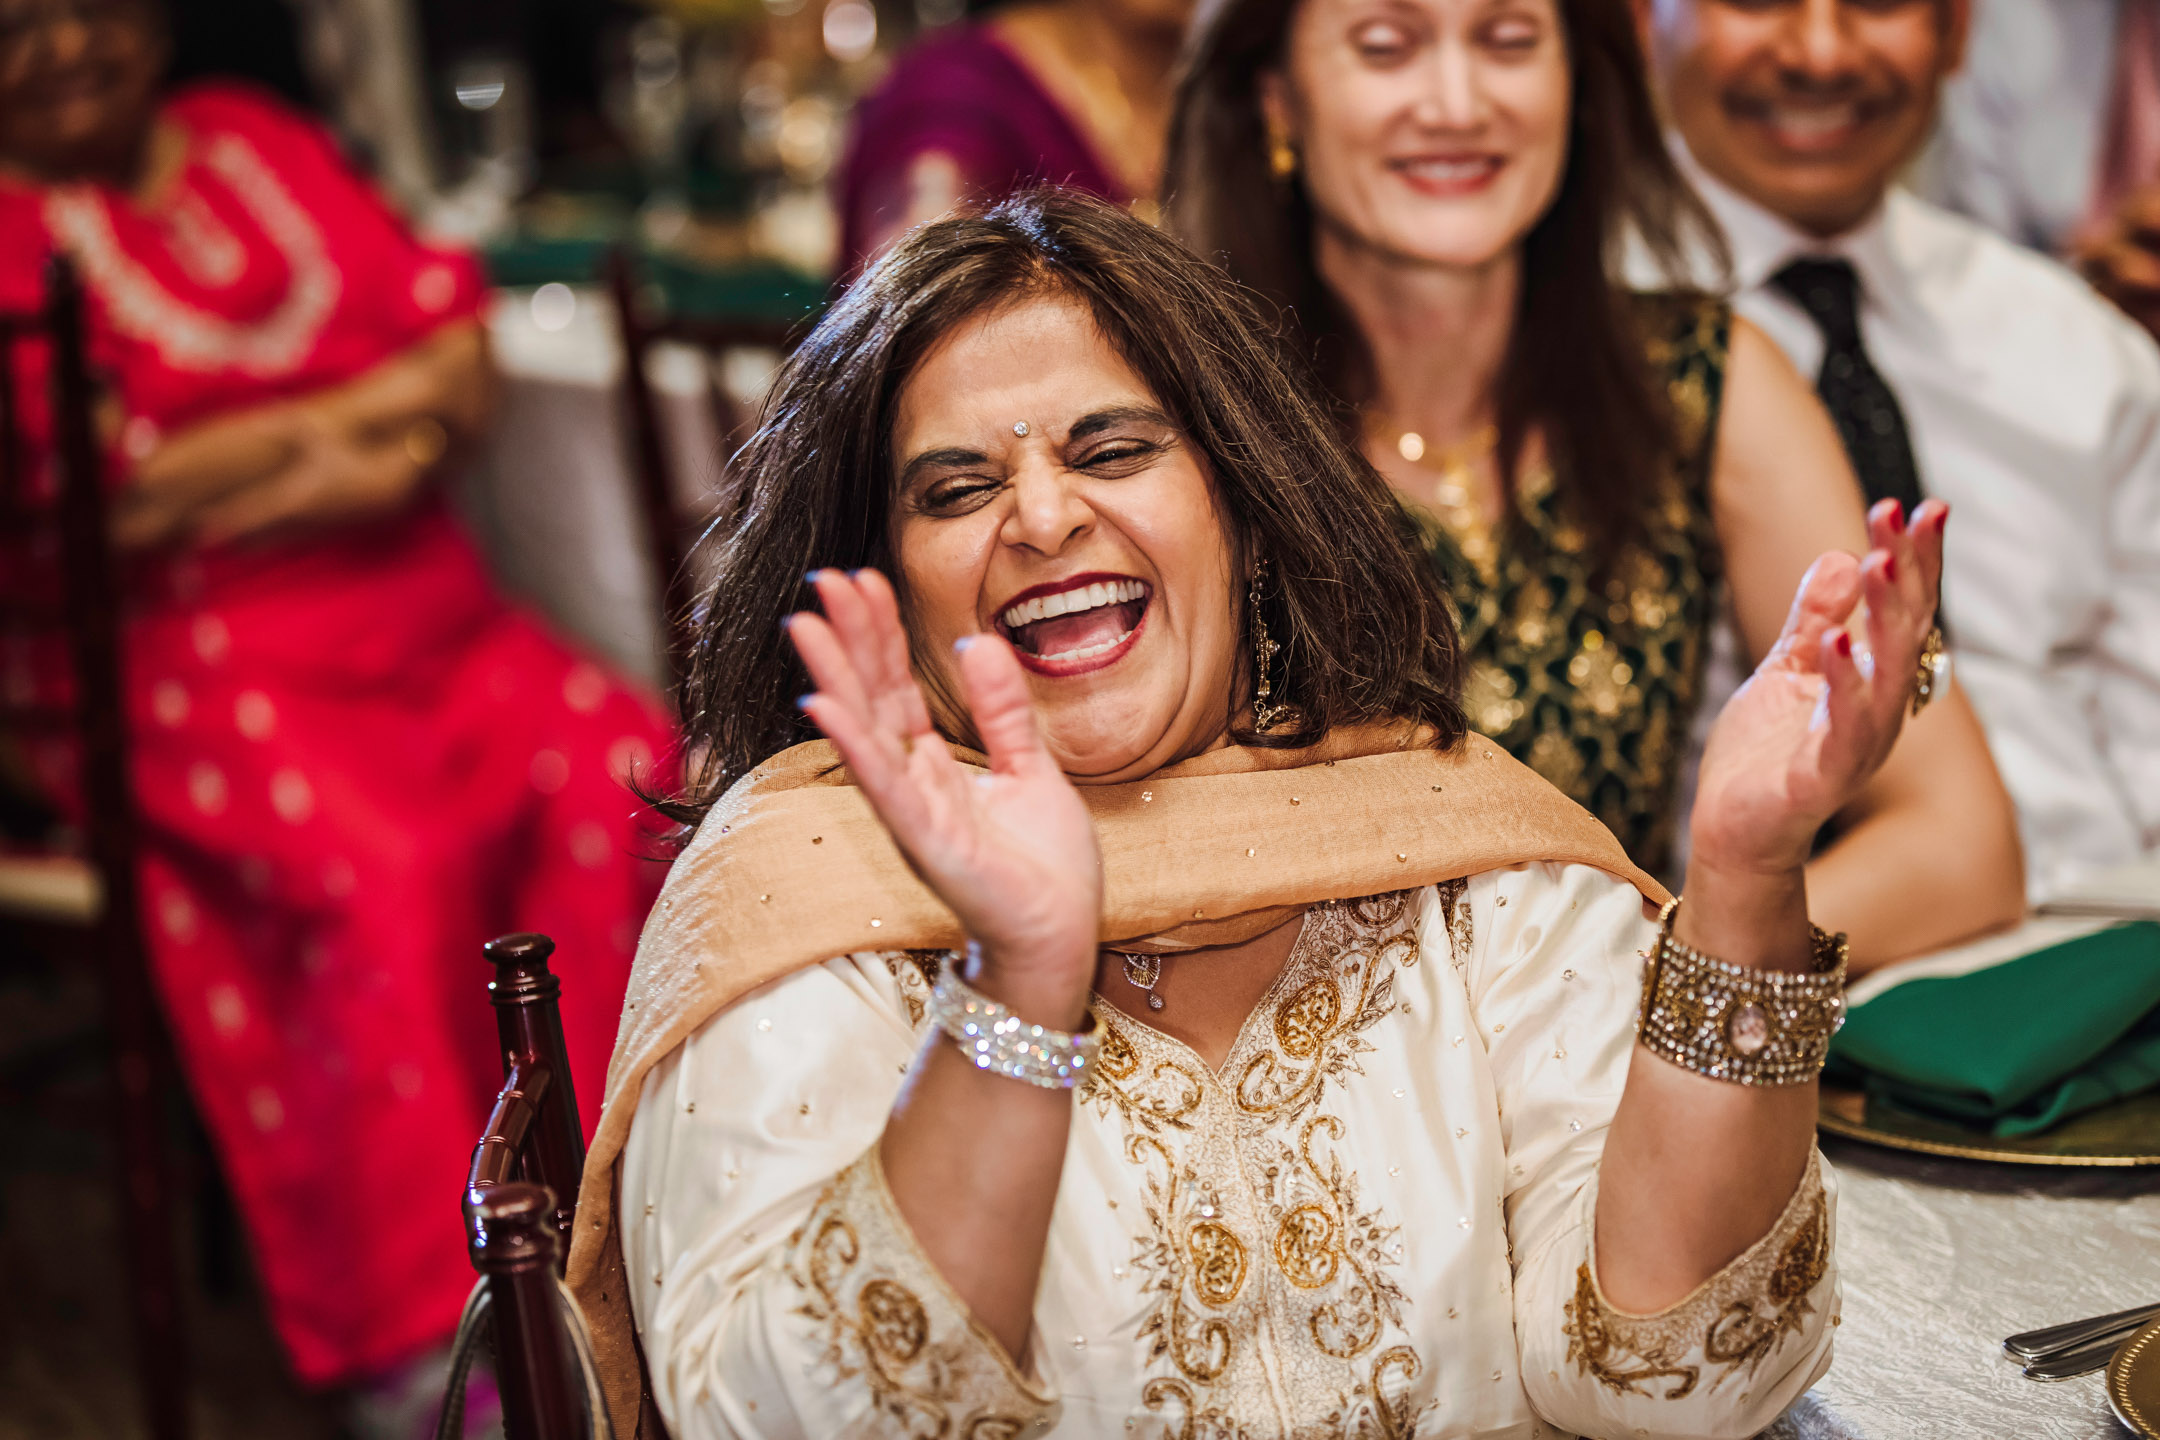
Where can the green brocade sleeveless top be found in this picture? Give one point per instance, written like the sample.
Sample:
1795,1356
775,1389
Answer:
1595,686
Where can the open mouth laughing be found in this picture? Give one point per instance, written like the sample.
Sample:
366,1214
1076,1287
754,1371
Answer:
1070,627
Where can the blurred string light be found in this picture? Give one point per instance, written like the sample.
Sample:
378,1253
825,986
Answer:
481,95
554,306
850,30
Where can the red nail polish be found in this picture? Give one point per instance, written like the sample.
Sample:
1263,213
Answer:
1889,568
1897,517
1844,639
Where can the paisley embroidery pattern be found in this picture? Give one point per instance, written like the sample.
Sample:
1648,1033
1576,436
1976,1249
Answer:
1735,1321
886,1321
1269,1282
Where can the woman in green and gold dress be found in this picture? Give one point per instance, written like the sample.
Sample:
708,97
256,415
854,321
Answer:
1440,197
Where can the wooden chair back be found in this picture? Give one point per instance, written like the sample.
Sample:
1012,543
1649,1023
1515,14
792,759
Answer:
521,1197
95,896
670,528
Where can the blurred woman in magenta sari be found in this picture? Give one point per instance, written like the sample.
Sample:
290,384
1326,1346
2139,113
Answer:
1072,92
354,760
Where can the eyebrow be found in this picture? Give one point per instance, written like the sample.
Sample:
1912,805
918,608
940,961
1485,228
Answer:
1101,420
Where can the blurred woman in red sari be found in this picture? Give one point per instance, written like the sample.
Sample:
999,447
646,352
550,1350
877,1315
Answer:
354,760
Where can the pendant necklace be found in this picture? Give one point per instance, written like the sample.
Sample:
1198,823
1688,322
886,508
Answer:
1141,972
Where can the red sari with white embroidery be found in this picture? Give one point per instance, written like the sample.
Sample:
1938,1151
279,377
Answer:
354,760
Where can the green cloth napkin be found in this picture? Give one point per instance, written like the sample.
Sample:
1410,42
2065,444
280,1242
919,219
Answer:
2020,1046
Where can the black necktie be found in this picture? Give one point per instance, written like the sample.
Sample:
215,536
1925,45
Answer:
1860,401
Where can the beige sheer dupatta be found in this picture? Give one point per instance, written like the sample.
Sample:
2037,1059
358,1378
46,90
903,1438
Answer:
792,868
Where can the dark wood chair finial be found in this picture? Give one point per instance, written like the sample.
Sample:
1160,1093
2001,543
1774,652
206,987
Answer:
527,996
521,1197
515,1246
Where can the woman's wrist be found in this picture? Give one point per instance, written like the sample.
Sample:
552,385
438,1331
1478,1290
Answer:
1039,988
1757,918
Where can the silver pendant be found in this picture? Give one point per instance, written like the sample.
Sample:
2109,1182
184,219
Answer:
1141,972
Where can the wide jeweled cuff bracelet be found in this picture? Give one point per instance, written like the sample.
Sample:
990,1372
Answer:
995,1039
1735,1023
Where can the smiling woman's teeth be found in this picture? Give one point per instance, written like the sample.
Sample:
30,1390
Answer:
1069,602
1089,652
1076,625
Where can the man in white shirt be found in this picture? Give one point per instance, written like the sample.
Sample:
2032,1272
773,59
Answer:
1959,365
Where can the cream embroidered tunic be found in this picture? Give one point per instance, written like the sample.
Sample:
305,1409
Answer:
1375,1221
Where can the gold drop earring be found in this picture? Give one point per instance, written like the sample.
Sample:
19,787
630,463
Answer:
1264,711
1281,154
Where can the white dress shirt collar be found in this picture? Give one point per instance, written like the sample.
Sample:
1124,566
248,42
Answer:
1882,248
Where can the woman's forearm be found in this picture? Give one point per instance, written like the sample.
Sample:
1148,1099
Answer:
341,453
447,378
973,1161
1929,855
1696,1170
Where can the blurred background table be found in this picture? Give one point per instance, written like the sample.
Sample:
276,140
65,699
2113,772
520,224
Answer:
553,499
1943,1258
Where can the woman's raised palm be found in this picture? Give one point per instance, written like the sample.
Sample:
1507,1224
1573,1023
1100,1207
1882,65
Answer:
1012,850
1819,716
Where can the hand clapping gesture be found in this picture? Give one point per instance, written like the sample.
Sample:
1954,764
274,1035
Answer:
1818,717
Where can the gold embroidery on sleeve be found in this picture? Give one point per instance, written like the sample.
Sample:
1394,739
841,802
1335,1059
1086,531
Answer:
1732,1322
860,1282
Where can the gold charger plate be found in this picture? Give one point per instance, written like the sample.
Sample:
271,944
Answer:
2133,1382
2124,1133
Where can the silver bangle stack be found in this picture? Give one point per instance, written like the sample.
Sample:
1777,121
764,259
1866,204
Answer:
995,1039
1731,1022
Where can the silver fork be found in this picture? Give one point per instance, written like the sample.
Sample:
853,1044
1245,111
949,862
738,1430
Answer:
2080,1347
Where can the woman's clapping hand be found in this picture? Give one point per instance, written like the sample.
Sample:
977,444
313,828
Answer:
1819,716
1011,850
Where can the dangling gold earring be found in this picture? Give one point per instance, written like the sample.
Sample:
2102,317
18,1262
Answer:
1281,155
1264,712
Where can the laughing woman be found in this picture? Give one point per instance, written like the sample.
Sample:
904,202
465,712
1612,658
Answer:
1148,1012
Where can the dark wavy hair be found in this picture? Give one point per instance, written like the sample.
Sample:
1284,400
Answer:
1576,371
1364,630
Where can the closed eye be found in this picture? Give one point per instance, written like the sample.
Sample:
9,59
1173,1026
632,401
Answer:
1120,457
950,495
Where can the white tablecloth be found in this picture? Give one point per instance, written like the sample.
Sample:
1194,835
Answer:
1943,1258
552,499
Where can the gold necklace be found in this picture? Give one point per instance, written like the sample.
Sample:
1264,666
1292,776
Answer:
1455,465
1453,497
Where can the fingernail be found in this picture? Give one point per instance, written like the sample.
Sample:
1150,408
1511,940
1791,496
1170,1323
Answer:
1889,567
1896,517
802,702
787,624
960,645
857,573
810,576
1844,637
